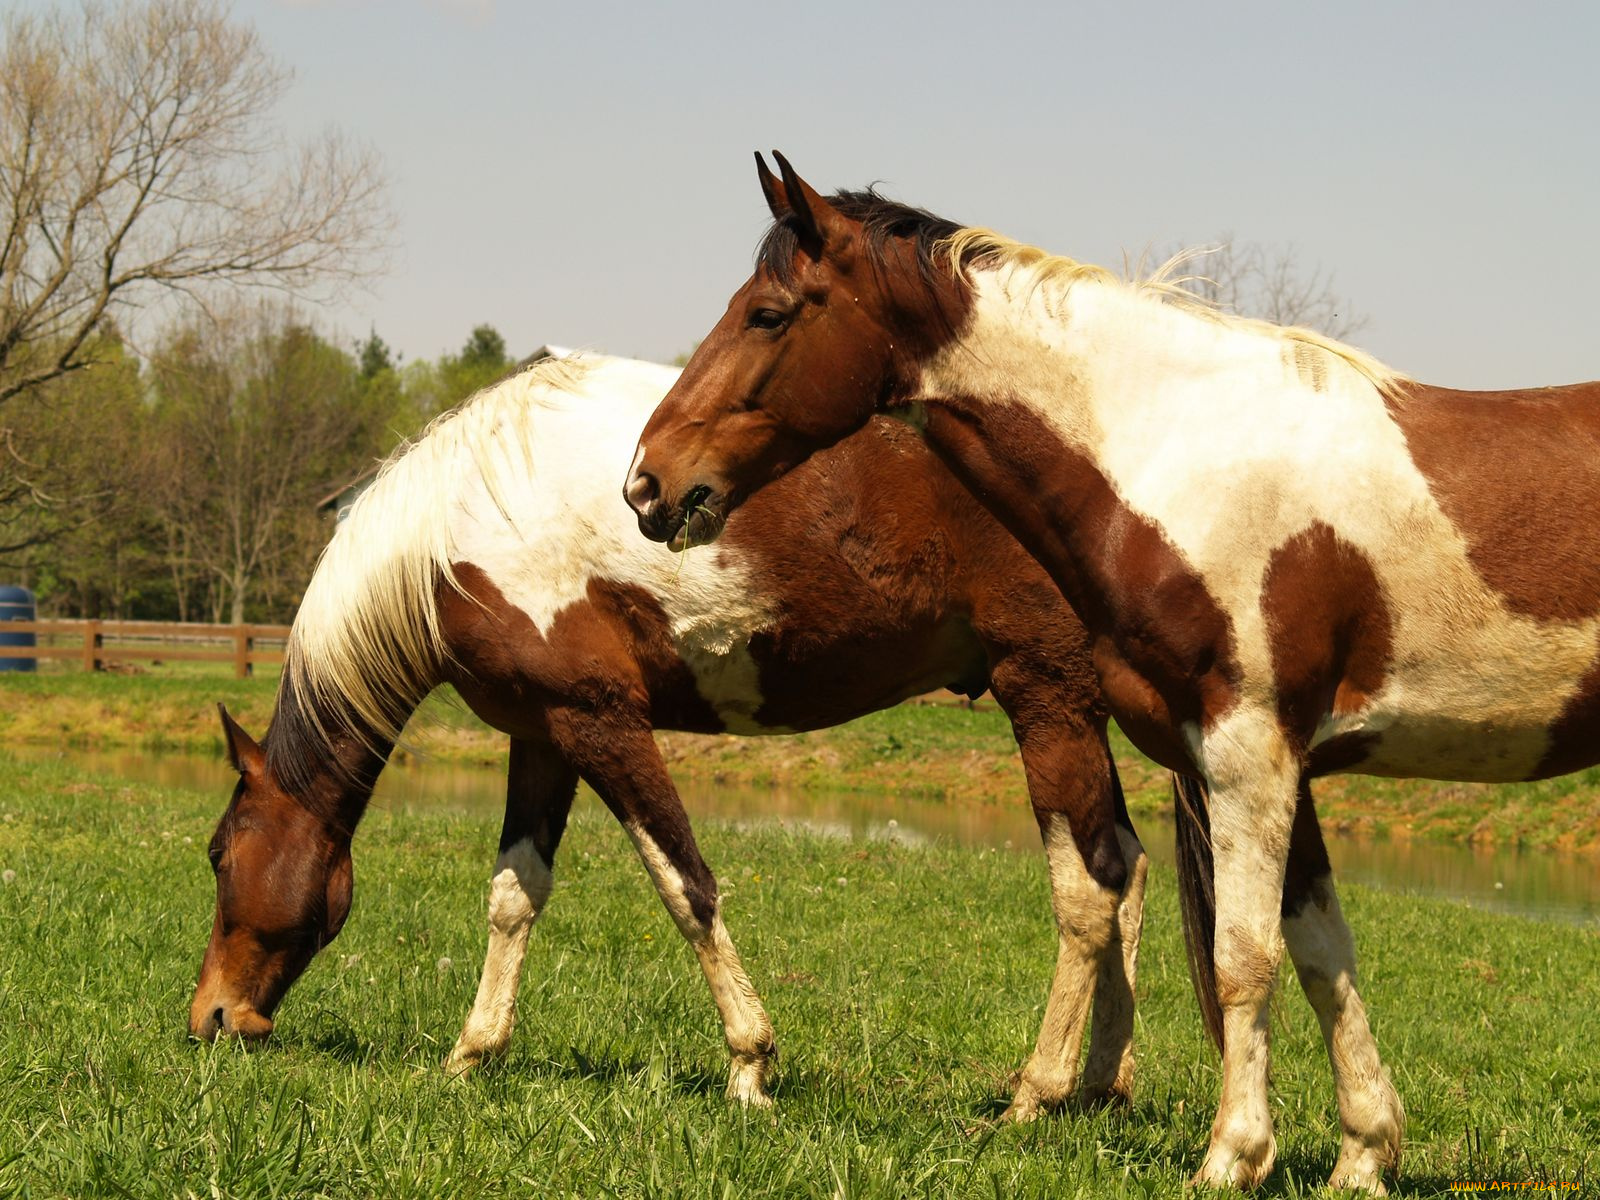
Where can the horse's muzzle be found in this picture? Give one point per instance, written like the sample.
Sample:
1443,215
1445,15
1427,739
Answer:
694,521
211,1017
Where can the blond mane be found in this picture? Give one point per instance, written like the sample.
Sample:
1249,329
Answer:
974,247
367,639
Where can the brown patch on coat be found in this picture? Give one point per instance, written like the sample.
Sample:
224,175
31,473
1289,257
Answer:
610,655
1329,629
1518,473
890,580
1162,645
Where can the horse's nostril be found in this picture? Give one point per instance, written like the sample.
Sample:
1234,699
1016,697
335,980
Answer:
219,1019
642,490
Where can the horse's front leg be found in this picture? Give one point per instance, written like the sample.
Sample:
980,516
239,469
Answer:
540,784
1253,777
626,769
1324,954
1097,893
1108,1071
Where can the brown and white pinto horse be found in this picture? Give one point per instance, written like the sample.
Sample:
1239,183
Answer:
867,577
1290,560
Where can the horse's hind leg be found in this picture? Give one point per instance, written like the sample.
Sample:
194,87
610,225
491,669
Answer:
1324,954
539,788
1092,865
626,769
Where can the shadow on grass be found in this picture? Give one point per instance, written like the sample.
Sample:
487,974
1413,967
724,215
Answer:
606,1067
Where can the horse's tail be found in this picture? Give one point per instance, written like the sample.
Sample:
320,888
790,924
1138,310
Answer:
1197,896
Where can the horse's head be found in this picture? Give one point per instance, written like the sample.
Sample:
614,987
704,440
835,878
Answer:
283,891
841,310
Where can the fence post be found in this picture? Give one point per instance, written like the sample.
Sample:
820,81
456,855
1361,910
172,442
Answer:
243,643
92,643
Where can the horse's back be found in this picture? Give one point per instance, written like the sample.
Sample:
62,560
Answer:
1518,474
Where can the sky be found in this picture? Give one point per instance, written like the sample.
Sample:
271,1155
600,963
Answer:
582,173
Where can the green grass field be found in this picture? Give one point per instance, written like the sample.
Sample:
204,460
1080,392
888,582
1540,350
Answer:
936,751
905,984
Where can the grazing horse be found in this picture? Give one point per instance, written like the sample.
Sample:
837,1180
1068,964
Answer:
495,555
1290,560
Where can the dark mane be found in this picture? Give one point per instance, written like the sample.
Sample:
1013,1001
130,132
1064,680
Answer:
882,220
297,743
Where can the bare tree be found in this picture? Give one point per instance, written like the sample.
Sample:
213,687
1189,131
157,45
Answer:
138,159
259,417
1269,282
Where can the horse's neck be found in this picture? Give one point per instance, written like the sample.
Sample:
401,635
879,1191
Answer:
1070,353
321,752
1037,405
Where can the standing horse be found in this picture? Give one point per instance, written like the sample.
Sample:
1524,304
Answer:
495,555
1290,560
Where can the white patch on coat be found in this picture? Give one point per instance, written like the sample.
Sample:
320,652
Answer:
560,522
669,883
1232,449
522,481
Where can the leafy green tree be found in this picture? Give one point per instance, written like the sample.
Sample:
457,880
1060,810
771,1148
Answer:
86,536
373,356
481,361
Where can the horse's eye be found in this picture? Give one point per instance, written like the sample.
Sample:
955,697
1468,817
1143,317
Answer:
767,318
215,855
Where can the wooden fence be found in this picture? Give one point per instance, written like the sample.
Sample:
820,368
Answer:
96,644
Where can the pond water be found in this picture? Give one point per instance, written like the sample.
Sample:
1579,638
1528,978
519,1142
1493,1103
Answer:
1543,884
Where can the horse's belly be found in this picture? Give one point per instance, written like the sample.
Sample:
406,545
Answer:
1439,748
1482,729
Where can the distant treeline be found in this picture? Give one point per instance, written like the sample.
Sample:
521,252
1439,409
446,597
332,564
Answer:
183,484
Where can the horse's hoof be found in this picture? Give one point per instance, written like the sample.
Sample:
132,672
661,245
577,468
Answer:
1225,1167
1024,1107
747,1083
1363,1174
1359,1181
458,1064
1030,1101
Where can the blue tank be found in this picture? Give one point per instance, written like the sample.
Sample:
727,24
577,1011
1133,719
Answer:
16,604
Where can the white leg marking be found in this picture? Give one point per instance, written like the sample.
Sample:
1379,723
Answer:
1370,1113
745,1025
1108,1073
518,892
1253,779
1085,919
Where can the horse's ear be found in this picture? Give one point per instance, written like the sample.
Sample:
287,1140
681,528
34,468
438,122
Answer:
777,203
818,223
243,752
804,204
